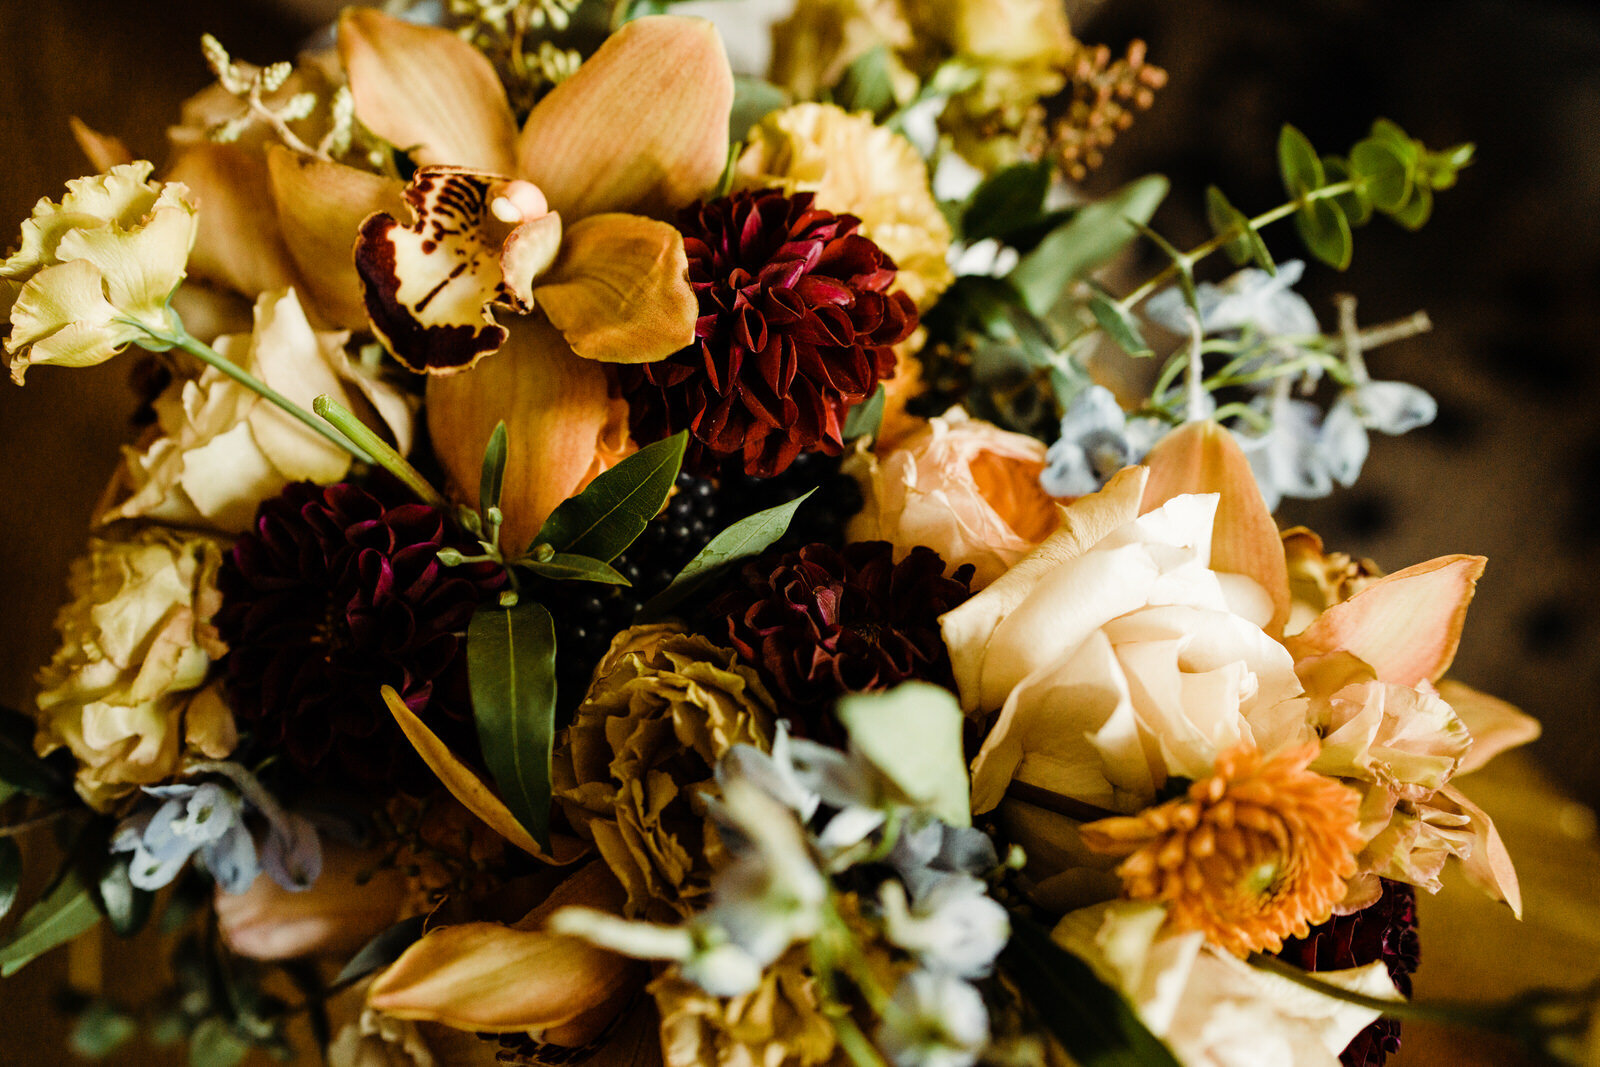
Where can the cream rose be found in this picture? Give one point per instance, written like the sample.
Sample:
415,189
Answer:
124,690
1118,658
964,488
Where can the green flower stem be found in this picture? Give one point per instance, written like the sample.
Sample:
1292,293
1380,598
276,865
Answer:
182,338
1450,1014
361,436
861,1051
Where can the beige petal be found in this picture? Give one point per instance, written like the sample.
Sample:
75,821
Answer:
103,150
1495,725
426,91
500,979
1488,864
1203,457
1405,626
557,414
1085,521
474,794
320,207
239,243
642,126
289,356
620,291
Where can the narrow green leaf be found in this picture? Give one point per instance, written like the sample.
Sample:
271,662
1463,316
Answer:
494,469
511,670
10,874
605,518
912,733
1009,200
1326,232
1417,209
1096,232
1388,174
569,567
865,418
61,915
753,100
1356,204
1298,162
750,536
866,84
124,904
1092,1021
1118,325
19,767
383,949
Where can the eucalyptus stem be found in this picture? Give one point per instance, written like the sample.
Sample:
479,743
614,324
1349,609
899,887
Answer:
183,339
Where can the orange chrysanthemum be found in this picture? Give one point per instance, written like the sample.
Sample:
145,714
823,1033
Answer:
1255,853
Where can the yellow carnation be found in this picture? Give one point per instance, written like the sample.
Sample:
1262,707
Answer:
855,167
779,1024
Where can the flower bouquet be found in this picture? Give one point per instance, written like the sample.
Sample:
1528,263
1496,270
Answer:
627,562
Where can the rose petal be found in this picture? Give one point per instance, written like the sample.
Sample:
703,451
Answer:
1495,725
557,413
620,291
1405,626
642,126
426,91
320,208
1202,457
291,358
239,243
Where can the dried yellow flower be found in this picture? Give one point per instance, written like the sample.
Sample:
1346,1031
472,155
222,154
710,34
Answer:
634,768
778,1024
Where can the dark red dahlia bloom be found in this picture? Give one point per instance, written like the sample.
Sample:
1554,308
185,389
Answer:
1386,930
821,622
333,593
796,326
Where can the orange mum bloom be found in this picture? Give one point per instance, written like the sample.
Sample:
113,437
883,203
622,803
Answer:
1256,852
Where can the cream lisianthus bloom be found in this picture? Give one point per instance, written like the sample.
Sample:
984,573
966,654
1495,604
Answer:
1118,657
94,271
961,486
124,690
1211,1008
221,449
856,167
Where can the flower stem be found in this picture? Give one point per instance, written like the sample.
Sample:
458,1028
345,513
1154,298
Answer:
1453,1014
361,436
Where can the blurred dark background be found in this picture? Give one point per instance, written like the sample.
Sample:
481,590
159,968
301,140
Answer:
1509,269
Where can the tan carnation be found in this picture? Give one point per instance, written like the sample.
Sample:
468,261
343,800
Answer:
123,691
1255,853
633,770
778,1024
856,167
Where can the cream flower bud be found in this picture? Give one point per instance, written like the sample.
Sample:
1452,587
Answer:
94,272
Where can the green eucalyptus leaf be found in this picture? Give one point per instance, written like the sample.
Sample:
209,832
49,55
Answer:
605,518
1093,1022
100,1029
1009,200
124,904
1191,296
63,913
1417,209
214,1044
867,84
1400,140
19,767
383,949
1223,218
1095,232
750,536
1439,169
1326,231
10,874
912,733
1119,325
1356,204
7,791
511,670
494,469
569,567
1298,163
753,100
865,418
1388,173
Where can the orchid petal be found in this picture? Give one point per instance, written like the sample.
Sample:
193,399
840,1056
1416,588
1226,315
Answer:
320,207
1202,457
103,150
239,243
1495,725
558,413
1406,625
620,292
1488,864
426,91
642,126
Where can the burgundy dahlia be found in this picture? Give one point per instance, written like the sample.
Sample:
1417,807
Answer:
821,622
1385,930
333,593
796,326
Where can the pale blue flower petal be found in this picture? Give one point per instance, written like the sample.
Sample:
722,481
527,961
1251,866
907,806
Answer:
1344,435
232,860
1393,407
